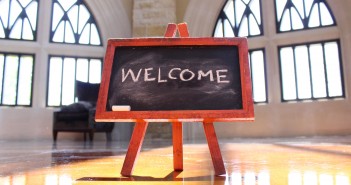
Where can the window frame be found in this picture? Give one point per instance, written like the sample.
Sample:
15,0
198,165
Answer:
52,32
63,57
265,74
7,31
32,80
305,28
308,44
236,29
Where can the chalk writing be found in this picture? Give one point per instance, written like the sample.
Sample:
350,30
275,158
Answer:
184,75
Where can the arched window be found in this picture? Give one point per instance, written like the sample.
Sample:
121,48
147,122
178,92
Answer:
243,18
18,19
309,70
302,14
240,18
73,23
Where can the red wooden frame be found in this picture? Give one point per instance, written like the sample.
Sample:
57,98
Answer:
245,114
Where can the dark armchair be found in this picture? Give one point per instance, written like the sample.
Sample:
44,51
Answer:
80,116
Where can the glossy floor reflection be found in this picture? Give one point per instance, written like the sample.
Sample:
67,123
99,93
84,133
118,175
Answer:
306,161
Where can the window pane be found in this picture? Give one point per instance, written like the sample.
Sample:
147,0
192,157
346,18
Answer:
304,14
229,11
56,16
280,8
68,81
95,71
94,38
219,29
2,62
333,69
239,11
16,30
318,72
4,12
83,18
255,8
59,33
15,11
10,80
326,17
82,70
66,4
299,6
228,31
32,14
314,17
243,18
2,33
69,35
84,38
308,5
24,2
25,81
285,24
258,76
288,73
244,30
75,23
55,79
73,17
26,26
296,20
303,72
253,27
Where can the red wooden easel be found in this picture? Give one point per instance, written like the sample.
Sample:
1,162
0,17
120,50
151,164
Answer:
177,130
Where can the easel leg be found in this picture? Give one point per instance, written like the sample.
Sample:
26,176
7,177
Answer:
134,148
177,129
215,151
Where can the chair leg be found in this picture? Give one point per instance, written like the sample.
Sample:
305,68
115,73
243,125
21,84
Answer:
54,133
108,136
85,136
91,135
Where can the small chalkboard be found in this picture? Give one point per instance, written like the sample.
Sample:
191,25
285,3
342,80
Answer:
175,79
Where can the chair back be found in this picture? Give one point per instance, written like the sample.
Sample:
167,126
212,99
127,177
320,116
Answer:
85,91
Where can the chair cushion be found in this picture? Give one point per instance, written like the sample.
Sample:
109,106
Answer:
71,116
81,106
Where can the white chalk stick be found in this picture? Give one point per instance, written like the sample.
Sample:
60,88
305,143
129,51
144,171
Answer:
121,108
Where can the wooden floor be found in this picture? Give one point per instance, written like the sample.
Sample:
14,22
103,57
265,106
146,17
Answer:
301,161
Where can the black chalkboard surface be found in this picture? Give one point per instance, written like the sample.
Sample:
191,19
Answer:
154,78
175,79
